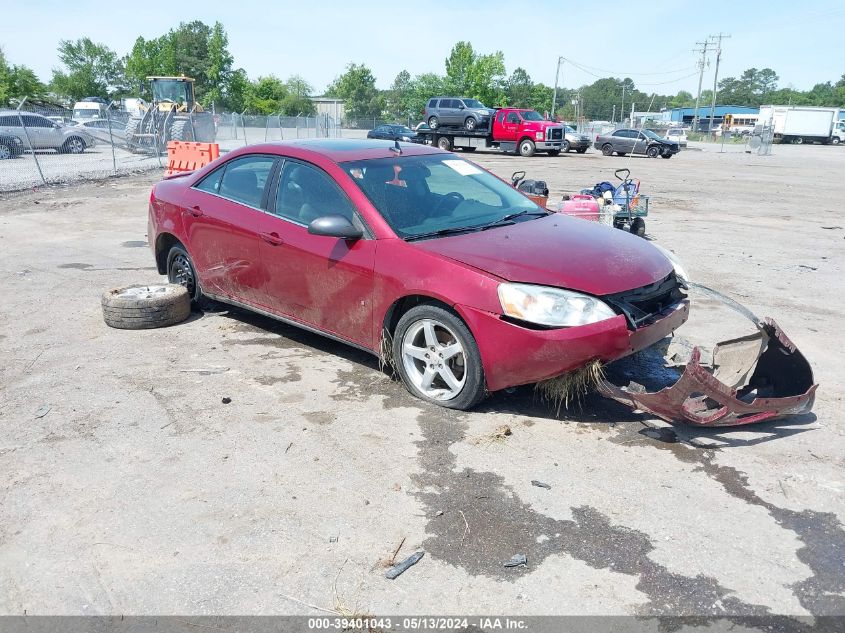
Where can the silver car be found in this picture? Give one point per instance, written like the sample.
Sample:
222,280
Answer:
575,140
459,111
44,133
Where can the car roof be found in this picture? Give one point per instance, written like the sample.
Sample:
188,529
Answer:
339,150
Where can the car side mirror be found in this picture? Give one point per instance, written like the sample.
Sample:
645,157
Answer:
335,226
461,107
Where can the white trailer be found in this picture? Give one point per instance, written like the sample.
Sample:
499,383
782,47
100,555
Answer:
803,124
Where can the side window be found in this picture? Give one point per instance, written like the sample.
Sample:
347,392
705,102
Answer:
620,133
211,183
244,179
513,117
432,103
306,193
10,121
33,121
500,117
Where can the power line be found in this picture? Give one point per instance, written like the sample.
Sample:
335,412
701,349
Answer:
612,72
718,40
701,64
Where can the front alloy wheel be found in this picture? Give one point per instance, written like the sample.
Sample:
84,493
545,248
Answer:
437,357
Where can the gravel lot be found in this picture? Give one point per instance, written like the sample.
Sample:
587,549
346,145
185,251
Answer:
139,491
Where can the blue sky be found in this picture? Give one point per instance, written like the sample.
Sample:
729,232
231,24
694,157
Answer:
651,42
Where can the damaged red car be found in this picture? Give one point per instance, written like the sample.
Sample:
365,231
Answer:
418,256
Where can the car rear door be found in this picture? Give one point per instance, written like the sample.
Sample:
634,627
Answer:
323,282
221,218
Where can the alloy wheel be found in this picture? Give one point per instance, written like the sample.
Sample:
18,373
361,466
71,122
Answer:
434,359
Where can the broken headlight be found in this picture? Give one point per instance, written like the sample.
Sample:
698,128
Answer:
680,271
552,307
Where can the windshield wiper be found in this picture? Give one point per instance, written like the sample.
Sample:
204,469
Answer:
441,232
509,219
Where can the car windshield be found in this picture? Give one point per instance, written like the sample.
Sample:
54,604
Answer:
473,103
570,130
403,129
422,195
530,115
651,134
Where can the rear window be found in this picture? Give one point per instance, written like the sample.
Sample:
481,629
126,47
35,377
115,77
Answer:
432,103
241,180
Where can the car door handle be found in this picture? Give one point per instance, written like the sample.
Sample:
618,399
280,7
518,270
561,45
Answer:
195,211
272,238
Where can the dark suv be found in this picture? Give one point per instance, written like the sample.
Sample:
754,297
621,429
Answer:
459,111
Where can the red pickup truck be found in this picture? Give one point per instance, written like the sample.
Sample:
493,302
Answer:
516,130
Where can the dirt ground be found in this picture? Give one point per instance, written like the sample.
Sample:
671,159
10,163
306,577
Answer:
128,487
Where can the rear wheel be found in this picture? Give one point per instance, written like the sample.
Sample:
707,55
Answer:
798,141
607,149
653,151
437,358
444,143
5,152
470,123
181,271
638,227
433,123
526,147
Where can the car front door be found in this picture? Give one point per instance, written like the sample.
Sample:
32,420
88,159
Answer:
449,107
324,282
641,144
221,216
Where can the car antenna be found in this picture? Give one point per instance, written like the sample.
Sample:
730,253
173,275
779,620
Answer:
396,147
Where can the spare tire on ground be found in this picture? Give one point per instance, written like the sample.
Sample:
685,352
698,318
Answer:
143,307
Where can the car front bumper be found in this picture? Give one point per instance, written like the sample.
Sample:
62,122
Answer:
547,145
579,143
513,354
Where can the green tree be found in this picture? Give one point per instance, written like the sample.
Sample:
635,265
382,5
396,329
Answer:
219,71
478,76
423,87
237,91
519,89
265,95
357,87
91,69
400,96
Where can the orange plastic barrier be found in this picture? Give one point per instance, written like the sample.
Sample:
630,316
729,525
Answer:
183,156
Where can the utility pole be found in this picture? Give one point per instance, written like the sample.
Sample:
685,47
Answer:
622,107
701,64
718,40
554,95
613,116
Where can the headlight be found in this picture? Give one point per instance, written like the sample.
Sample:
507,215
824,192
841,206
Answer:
538,136
406,138
680,271
17,141
551,306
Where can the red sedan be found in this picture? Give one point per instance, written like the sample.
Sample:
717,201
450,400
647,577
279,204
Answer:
414,254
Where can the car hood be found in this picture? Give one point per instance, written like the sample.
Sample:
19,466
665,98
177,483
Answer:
559,251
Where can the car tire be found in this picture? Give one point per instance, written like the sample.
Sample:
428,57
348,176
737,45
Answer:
182,272
433,123
583,150
607,149
463,368
444,143
566,146
470,124
835,140
653,151
5,152
638,227
526,148
145,307
554,152
666,155
797,141
74,145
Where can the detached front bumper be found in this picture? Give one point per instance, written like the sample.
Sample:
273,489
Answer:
750,379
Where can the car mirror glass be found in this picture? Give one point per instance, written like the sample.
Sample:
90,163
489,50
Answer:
335,226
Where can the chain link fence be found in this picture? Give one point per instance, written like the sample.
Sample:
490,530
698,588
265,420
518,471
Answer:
238,129
46,145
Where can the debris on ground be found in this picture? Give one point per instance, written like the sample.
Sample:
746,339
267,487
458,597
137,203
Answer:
400,568
332,539
502,432
571,386
226,400
540,484
42,411
517,560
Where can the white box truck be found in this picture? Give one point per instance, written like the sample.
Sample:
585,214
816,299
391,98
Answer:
803,124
